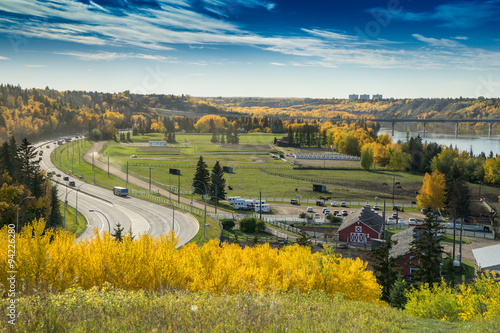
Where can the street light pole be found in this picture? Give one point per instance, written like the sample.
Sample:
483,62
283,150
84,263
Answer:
17,216
96,211
205,196
76,206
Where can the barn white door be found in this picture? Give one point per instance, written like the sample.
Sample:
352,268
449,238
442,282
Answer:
358,237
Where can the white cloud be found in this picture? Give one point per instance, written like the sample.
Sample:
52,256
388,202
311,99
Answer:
35,66
4,58
460,38
443,42
114,56
278,64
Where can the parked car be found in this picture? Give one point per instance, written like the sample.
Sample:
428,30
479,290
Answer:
58,175
309,209
339,215
376,207
395,215
390,220
294,201
47,146
133,156
72,183
317,216
65,178
395,208
412,220
320,203
343,204
334,204
367,206
336,212
345,213
326,211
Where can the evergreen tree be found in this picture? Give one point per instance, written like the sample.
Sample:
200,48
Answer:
428,251
201,176
214,138
118,232
385,267
28,162
236,137
217,178
222,140
458,193
397,295
55,218
128,137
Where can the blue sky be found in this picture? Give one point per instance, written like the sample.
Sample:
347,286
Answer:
267,48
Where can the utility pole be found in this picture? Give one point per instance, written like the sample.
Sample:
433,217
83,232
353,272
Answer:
149,179
454,230
126,184
260,205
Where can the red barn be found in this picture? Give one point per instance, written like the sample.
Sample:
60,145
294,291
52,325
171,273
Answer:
361,226
403,253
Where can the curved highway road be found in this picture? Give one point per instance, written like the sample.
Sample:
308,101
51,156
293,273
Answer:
134,214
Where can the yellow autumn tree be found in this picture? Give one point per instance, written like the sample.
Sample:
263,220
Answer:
203,125
432,192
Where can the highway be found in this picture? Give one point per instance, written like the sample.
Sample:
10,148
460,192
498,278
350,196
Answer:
133,214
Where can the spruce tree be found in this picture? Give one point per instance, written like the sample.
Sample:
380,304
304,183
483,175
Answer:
55,218
217,178
28,162
385,267
201,175
118,232
428,251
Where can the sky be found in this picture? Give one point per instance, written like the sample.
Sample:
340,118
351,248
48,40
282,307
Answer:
254,48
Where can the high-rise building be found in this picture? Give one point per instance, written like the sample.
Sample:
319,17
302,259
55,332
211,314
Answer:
353,96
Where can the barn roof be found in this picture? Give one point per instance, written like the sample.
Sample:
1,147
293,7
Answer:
365,216
488,257
404,239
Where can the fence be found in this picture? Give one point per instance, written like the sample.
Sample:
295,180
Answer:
466,233
338,157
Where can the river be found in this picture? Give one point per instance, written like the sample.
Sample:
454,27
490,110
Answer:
469,137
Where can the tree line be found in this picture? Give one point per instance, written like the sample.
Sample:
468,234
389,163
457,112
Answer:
21,177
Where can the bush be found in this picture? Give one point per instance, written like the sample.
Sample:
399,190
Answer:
334,219
228,224
251,224
302,215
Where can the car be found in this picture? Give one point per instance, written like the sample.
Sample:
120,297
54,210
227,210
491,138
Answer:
58,175
133,156
395,215
423,211
317,216
326,211
66,178
334,204
339,215
309,209
343,204
294,202
395,208
72,183
320,203
390,220
376,207
336,212
412,220
345,213
47,146
367,206
40,158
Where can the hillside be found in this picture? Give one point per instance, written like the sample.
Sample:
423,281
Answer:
439,108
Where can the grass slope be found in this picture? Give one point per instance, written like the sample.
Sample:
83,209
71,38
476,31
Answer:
119,311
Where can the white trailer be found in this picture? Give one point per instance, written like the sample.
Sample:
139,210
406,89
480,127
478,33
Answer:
243,204
232,200
262,208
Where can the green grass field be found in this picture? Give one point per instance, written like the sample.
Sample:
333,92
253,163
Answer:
72,225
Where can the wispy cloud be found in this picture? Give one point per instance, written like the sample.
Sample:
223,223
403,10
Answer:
176,22
4,58
278,64
465,14
35,66
114,56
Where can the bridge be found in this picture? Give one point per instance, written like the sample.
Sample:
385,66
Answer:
425,121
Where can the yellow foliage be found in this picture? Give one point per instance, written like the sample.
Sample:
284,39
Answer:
432,192
203,124
53,260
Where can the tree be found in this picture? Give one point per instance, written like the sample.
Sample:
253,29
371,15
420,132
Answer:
385,267
55,218
201,177
304,239
251,224
228,224
432,192
28,162
458,193
397,295
118,232
217,180
367,158
428,251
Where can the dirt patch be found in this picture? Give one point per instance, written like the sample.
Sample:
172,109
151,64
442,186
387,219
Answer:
246,147
159,150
